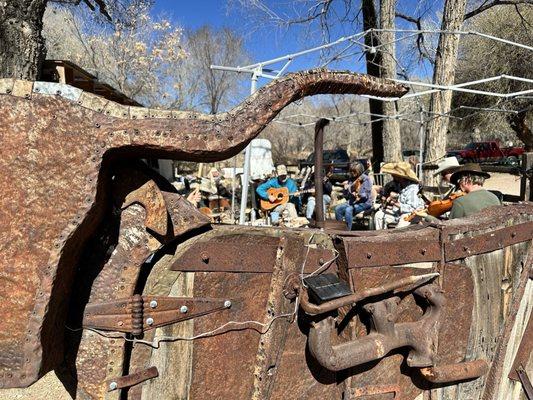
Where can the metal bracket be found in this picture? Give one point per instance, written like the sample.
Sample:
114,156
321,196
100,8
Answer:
132,379
138,314
525,381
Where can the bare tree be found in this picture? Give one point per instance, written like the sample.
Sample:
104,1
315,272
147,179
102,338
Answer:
22,46
443,74
141,57
482,58
392,146
205,47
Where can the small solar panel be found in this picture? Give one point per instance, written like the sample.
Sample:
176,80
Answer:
325,287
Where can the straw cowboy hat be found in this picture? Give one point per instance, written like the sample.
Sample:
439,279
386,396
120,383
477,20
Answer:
400,169
470,169
449,164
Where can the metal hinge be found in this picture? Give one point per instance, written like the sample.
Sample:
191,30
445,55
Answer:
138,314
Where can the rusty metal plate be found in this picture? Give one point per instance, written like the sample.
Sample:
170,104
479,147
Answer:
487,242
243,253
93,102
132,379
392,248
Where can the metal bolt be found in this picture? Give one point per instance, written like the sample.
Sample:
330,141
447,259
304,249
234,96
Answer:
149,321
205,257
423,251
113,386
369,255
184,309
153,304
227,304
513,234
465,248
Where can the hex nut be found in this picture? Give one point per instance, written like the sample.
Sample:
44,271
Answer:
227,304
184,309
113,386
153,304
149,321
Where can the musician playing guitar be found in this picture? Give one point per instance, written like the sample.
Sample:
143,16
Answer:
280,181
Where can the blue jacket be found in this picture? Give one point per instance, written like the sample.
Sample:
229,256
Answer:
274,183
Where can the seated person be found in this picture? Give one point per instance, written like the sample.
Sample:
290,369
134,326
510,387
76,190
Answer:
407,199
357,199
281,180
470,179
327,187
445,169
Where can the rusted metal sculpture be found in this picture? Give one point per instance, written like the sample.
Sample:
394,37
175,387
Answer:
56,144
99,253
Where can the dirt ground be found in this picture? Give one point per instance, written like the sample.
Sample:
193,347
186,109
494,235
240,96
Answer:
50,388
47,388
505,183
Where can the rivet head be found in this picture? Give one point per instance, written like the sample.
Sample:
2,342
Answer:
369,255
149,321
205,257
423,251
227,304
153,304
113,386
184,309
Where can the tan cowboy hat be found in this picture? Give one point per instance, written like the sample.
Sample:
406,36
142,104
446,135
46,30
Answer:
449,164
471,169
400,169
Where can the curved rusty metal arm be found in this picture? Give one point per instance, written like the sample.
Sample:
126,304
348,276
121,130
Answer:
385,335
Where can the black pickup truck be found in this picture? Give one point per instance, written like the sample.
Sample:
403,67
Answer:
335,161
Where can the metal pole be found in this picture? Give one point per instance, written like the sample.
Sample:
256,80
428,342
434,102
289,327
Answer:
246,171
319,165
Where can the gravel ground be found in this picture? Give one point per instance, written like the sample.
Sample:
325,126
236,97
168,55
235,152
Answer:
47,388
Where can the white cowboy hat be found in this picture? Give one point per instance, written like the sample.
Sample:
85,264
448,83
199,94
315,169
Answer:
449,163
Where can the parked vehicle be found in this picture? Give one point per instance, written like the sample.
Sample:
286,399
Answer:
336,161
488,152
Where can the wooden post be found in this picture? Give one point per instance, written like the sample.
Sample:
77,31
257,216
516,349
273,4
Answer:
526,191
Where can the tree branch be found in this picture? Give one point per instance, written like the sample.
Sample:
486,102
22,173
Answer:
485,6
420,44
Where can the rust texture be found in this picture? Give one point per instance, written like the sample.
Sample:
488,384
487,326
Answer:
455,372
121,382
54,181
241,252
139,314
385,335
404,284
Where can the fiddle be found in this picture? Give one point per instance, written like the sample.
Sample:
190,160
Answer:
436,208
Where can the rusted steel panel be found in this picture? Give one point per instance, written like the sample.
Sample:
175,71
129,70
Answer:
409,246
489,241
242,253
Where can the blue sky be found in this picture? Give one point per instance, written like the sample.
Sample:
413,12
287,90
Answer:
266,41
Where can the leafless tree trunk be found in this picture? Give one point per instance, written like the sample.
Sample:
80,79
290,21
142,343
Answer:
22,48
392,146
443,74
373,63
518,123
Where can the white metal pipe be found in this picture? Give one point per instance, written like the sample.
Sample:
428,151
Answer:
246,169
